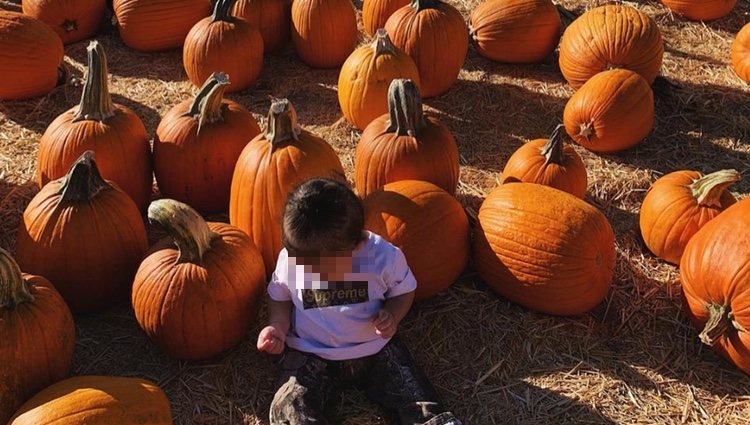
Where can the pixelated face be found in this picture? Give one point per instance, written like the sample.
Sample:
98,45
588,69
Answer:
324,262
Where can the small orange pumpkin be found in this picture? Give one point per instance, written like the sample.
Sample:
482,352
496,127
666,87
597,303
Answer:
271,17
376,12
366,75
678,204
701,10
324,32
549,162
612,111
72,20
741,53
154,25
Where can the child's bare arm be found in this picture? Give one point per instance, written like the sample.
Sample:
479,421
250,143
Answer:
394,310
272,338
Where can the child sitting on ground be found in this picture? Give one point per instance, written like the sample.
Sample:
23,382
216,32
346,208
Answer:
336,299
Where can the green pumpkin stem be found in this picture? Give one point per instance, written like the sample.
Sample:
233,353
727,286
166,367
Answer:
421,5
13,289
383,43
185,226
282,122
405,108
83,181
223,11
96,103
207,107
709,188
719,320
554,149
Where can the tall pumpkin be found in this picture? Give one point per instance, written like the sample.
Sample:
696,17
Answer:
72,20
269,168
31,57
405,144
271,17
113,131
422,220
197,144
515,31
324,32
97,400
715,281
549,162
366,75
85,235
678,204
544,249
214,272
701,10
376,12
612,111
223,43
435,35
38,335
741,53
154,25
607,37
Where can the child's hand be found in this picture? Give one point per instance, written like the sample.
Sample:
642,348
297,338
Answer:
271,340
385,324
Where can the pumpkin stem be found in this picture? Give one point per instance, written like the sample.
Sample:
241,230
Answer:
709,188
383,43
720,318
96,103
83,181
187,228
13,289
553,149
420,5
282,122
223,11
404,108
586,130
207,107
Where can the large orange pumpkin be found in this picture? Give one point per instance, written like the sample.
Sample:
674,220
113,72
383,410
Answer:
38,336
269,168
741,53
435,35
516,31
549,162
324,32
612,111
429,226
97,400
607,37
85,235
716,283
404,144
113,131
376,12
31,57
223,43
153,25
72,20
678,204
544,249
214,272
197,145
366,75
701,10
271,17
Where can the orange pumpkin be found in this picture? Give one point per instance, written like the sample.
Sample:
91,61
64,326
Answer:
405,145
197,145
515,31
741,53
548,162
419,218
85,235
72,20
269,168
607,37
113,131
324,32
222,43
701,10
366,75
271,17
435,35
612,111
715,281
544,249
154,25
97,400
31,57
678,204
376,12
38,336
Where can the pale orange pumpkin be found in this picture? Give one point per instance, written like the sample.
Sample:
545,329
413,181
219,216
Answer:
701,10
324,32
741,53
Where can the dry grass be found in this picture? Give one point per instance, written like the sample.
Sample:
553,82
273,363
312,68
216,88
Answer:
633,360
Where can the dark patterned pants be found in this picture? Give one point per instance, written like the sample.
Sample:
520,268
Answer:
390,378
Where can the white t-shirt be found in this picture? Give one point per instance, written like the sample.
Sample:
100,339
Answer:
334,320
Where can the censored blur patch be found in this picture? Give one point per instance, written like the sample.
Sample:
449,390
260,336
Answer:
336,293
